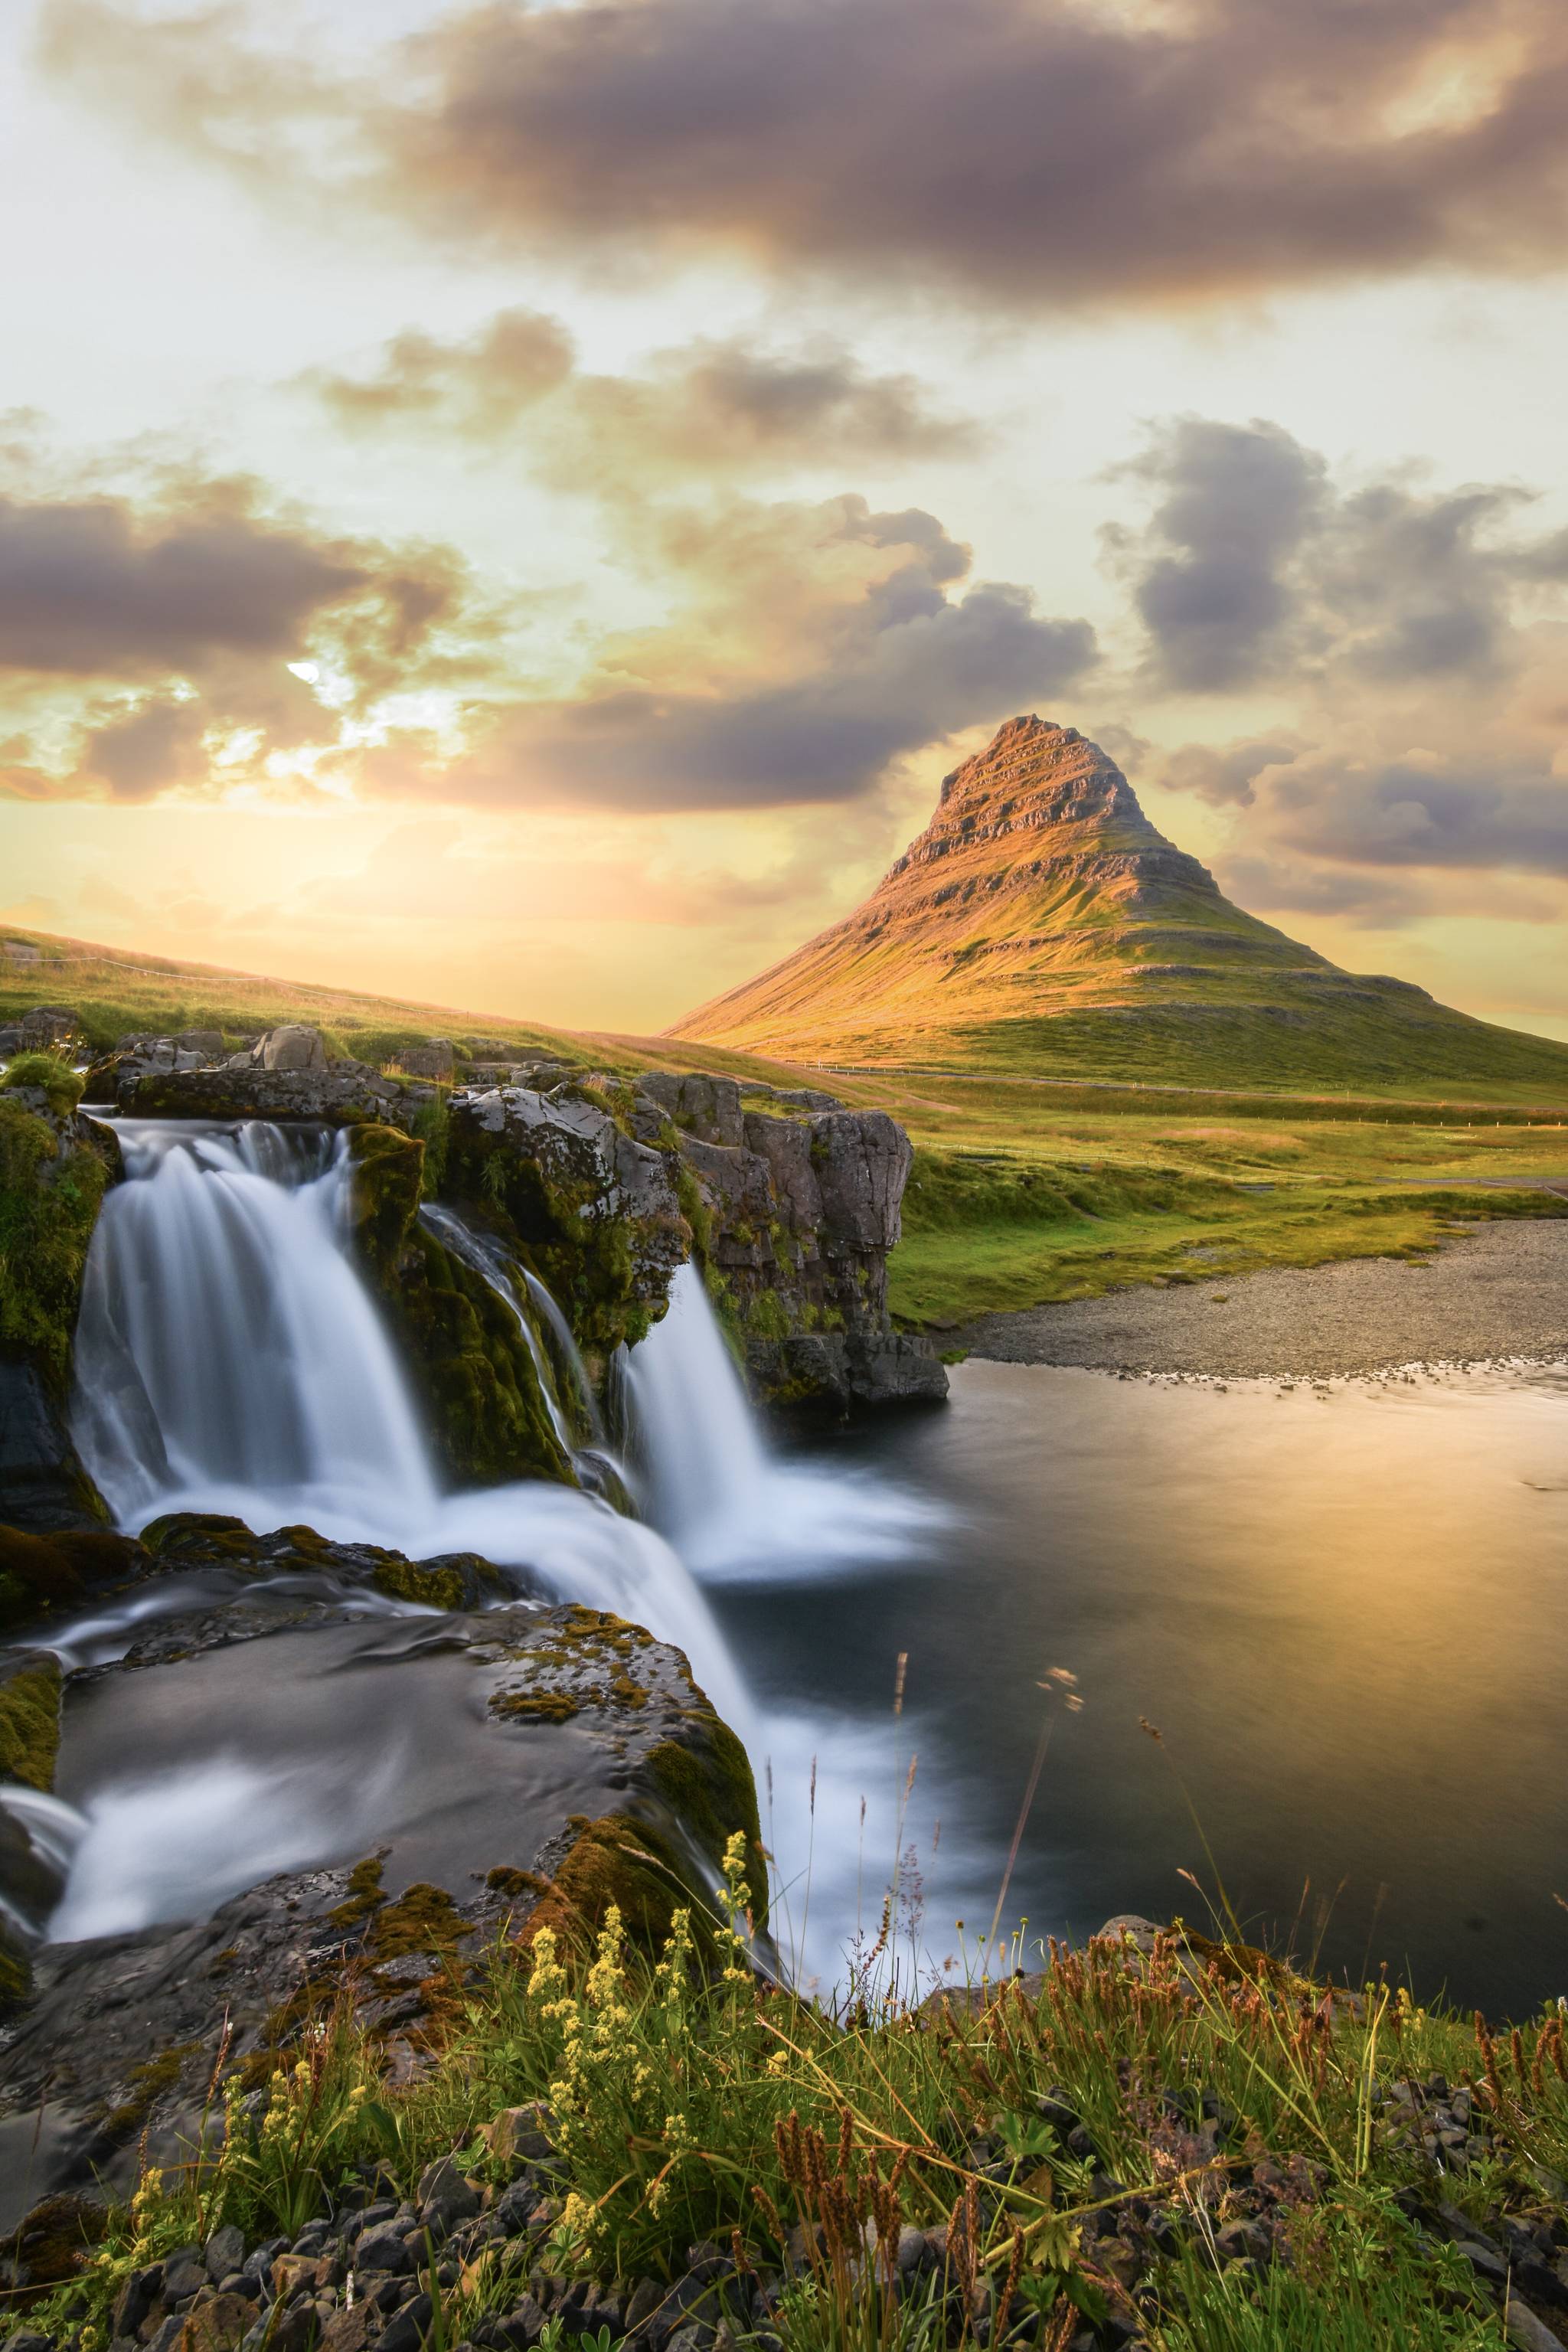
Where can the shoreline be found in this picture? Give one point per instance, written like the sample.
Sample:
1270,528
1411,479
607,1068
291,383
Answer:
1498,1295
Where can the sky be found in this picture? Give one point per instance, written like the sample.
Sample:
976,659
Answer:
519,505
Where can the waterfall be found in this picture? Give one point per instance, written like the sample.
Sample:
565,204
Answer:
220,1315
702,1457
230,1357
559,1365
732,1508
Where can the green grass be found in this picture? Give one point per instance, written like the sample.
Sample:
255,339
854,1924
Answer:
992,1234
1127,2104
1401,1045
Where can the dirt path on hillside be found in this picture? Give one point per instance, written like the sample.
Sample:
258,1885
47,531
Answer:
1501,1292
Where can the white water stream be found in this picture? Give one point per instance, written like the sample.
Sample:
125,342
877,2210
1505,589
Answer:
230,1360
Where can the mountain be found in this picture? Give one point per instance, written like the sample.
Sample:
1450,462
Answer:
1041,925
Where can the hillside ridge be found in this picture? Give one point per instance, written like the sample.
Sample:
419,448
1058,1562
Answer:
1041,921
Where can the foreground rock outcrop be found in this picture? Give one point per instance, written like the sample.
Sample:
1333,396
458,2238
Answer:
55,1165
443,1780
601,1185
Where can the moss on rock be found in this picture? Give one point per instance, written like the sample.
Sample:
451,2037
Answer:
30,1720
460,1341
52,1178
614,1860
39,1573
388,1183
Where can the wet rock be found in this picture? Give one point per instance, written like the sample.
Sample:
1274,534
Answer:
555,1761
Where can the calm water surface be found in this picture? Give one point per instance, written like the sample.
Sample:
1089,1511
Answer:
1346,1612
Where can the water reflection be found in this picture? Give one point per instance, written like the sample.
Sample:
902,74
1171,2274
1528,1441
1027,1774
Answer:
1346,1610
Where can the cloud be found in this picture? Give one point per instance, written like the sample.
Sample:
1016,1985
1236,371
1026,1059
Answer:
480,386
1255,567
174,634
1004,152
700,408
155,745
818,645
94,588
1462,811
1210,571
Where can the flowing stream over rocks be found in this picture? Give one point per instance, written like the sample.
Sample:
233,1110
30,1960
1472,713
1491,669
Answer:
231,1361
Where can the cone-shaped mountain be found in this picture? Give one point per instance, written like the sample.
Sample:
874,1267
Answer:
1042,923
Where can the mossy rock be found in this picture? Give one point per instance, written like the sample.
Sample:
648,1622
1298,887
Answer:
615,1860
52,1180
388,1184
472,1364
30,1719
40,1573
459,1581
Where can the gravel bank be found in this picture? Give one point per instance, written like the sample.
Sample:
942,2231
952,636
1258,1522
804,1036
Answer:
1501,1292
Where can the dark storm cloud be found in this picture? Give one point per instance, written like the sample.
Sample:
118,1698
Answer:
1004,150
90,587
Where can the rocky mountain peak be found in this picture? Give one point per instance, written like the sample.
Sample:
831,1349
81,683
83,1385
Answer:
1035,777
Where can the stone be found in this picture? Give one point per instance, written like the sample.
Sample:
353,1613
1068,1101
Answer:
136,2298
1522,2327
405,2331
518,2134
436,1058
217,2326
706,1108
291,1048
225,2253
182,2279
383,2250
445,2195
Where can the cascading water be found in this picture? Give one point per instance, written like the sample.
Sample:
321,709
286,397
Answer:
231,1359
730,1507
227,1346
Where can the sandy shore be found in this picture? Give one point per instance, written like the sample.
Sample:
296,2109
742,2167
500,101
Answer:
1501,1292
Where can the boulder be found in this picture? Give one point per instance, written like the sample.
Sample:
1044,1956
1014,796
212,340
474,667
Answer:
54,1168
48,1029
554,1761
703,1106
291,1048
436,1058
593,1210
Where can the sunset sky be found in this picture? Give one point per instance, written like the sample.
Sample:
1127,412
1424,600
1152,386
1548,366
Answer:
520,505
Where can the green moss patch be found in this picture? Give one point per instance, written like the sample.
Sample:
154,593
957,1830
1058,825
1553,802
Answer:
51,1187
388,1181
30,1723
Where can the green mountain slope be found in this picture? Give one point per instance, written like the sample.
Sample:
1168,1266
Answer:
1041,925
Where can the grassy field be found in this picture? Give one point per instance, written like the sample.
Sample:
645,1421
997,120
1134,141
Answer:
1025,1190
1023,1193
1193,2147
